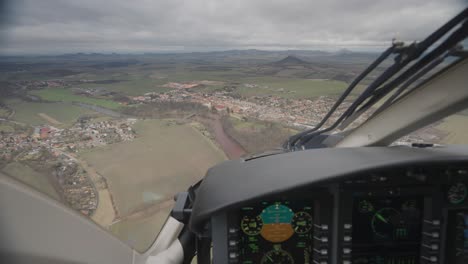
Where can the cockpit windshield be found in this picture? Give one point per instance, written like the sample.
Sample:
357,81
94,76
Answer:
113,107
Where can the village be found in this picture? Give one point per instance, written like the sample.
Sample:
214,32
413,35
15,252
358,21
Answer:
50,149
299,114
296,113
83,134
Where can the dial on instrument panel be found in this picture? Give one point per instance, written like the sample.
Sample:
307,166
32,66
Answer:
390,223
251,226
277,256
302,222
387,223
277,223
386,230
457,193
388,219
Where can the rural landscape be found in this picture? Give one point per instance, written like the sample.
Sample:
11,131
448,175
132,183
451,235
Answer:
116,136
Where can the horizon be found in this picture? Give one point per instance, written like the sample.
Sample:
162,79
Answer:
337,51
52,27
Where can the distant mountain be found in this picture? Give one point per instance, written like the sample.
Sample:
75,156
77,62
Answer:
344,51
290,61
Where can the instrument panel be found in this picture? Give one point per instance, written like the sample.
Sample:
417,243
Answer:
400,216
276,232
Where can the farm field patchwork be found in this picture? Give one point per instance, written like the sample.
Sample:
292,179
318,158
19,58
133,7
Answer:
66,95
30,112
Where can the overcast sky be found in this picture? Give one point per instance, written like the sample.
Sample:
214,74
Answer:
54,26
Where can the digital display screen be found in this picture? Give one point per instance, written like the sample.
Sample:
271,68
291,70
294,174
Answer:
387,230
457,239
276,232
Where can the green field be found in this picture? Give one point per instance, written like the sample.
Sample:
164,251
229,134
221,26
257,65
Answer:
66,95
252,125
137,82
5,127
164,159
134,82
27,175
284,86
27,112
239,124
133,87
292,88
4,113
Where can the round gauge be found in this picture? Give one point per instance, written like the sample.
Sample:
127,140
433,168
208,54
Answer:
365,206
251,226
385,223
302,222
277,223
277,257
457,193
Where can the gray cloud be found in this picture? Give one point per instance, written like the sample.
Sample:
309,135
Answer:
53,26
